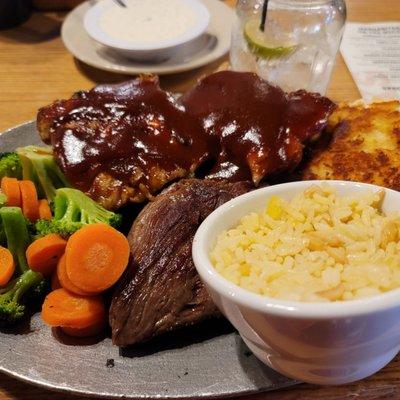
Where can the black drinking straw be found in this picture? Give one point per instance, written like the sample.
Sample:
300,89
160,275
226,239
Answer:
264,15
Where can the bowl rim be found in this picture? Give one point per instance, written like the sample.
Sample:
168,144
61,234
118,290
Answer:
92,27
273,306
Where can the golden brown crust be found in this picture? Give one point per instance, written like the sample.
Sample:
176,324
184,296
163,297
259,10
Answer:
365,146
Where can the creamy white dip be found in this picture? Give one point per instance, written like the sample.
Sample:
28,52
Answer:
148,21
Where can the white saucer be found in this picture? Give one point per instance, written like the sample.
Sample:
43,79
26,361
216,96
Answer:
208,48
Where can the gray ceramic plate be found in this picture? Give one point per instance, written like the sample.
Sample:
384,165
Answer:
206,361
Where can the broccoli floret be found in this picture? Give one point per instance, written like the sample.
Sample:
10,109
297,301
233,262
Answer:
3,238
72,210
3,203
62,228
16,231
39,166
36,295
13,296
3,200
10,165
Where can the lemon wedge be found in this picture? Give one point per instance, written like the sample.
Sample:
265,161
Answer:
261,45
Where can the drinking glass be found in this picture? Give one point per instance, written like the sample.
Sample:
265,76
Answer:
298,46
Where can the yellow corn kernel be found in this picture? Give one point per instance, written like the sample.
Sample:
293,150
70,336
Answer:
244,270
274,208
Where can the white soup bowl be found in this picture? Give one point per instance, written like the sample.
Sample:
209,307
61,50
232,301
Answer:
147,52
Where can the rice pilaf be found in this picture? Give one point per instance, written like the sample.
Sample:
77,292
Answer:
317,247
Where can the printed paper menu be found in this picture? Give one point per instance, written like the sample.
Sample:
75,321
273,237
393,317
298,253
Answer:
372,53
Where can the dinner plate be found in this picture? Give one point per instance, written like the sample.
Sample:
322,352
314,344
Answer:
208,48
208,360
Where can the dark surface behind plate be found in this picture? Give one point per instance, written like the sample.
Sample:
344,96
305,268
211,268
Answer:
206,361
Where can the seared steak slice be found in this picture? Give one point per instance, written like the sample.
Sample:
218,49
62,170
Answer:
123,143
161,290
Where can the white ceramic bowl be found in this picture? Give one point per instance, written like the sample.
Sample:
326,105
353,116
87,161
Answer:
142,51
322,343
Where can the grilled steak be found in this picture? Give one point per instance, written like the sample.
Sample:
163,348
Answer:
261,129
124,142
161,290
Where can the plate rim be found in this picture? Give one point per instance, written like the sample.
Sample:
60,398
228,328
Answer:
91,394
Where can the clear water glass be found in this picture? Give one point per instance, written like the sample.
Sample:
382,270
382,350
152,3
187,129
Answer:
314,28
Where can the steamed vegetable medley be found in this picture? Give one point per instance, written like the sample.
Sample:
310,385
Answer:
58,248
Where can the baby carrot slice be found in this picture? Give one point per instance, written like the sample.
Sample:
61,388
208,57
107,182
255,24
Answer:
65,281
96,257
44,210
55,283
7,266
66,309
43,254
10,187
85,332
29,199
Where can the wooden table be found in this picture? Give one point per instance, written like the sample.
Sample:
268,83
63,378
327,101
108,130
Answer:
35,69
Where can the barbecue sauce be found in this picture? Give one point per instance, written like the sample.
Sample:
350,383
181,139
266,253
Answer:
134,131
125,142
261,129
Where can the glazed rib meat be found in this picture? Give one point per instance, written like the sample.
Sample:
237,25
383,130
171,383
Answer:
261,129
124,142
161,290
365,146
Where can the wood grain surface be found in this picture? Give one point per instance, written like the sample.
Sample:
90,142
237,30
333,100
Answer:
36,69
